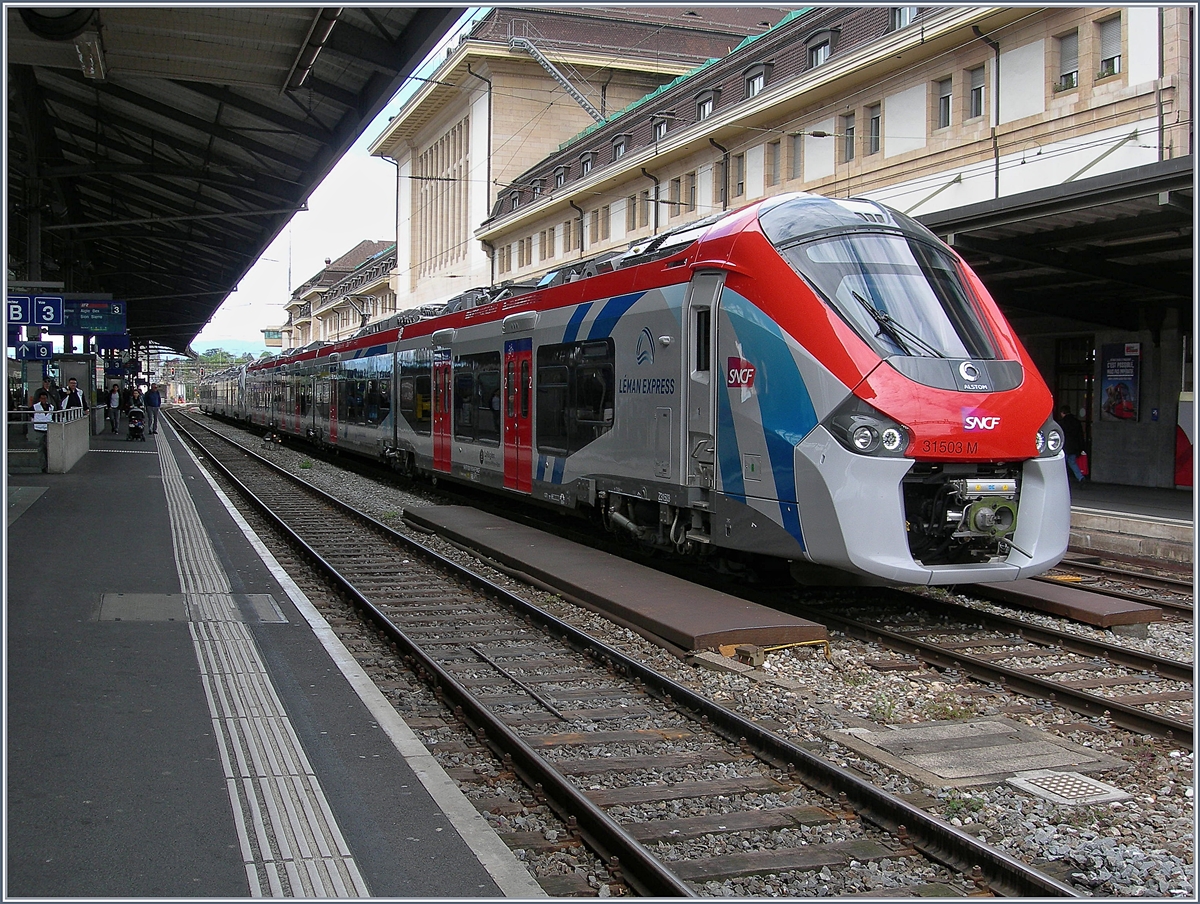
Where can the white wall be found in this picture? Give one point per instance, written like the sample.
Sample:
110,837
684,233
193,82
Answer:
1143,43
819,152
904,117
755,157
1023,81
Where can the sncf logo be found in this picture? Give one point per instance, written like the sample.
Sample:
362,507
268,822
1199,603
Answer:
980,422
739,373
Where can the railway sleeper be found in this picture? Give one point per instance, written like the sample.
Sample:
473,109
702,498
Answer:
687,790
681,829
806,858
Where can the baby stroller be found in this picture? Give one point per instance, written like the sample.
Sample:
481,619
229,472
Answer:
137,424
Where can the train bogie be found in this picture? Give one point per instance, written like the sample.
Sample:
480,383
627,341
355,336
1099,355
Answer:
815,380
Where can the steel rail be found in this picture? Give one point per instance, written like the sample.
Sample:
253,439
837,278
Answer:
1090,704
928,833
1074,643
639,868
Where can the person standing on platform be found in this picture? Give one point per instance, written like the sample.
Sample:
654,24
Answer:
48,388
153,403
43,413
75,397
114,407
1073,443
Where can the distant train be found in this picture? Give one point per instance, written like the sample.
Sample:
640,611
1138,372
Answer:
813,379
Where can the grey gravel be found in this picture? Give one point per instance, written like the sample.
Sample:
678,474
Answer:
1142,846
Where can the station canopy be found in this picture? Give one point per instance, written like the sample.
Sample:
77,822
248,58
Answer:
155,152
1114,250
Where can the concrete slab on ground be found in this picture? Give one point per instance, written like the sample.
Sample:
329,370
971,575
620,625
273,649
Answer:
976,752
686,615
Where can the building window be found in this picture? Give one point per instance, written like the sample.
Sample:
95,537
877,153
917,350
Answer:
739,174
689,191
560,177
674,196
542,245
537,187
945,89
975,97
706,102
619,146
631,213
774,151
1110,47
797,155
514,200
821,44
585,162
568,245
756,78
902,16
1068,62
848,137
644,208
605,223
874,128
660,129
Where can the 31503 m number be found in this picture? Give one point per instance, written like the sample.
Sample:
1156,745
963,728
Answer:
949,447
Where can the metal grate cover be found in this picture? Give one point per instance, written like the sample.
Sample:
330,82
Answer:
1066,787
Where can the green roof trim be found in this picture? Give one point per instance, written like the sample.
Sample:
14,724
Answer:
749,39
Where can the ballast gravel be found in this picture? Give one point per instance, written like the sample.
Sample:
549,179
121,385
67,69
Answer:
1141,846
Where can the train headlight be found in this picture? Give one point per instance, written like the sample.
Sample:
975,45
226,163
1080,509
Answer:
865,430
1049,440
865,438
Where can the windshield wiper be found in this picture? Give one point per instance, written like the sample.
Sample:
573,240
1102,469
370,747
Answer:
895,330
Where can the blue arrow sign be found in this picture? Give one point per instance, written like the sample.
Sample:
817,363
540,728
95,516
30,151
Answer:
35,351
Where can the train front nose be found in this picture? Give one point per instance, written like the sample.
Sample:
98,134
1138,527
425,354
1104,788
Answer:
891,519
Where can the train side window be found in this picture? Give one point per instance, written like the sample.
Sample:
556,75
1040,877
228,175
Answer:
415,387
477,397
703,339
510,382
464,408
526,382
487,382
575,392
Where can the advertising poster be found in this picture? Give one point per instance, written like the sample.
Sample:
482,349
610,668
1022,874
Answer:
1185,438
1120,371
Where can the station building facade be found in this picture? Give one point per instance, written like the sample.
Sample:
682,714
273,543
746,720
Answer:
926,109
493,107
342,297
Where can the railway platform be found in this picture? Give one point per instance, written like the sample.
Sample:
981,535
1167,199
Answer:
1133,522
182,722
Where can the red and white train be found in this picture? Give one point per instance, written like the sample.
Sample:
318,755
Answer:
815,379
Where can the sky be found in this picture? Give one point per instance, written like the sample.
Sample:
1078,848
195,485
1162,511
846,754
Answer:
356,202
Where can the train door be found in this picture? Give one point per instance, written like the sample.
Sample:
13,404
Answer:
518,415
701,310
442,405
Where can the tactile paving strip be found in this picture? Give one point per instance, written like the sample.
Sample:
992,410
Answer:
1066,787
291,844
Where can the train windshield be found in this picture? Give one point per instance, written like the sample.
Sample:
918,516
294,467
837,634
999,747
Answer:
901,293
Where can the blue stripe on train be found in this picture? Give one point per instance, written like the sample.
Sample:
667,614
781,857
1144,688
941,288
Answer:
783,403
614,309
576,321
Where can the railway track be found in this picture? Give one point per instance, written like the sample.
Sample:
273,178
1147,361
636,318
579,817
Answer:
1172,594
1135,690
581,723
